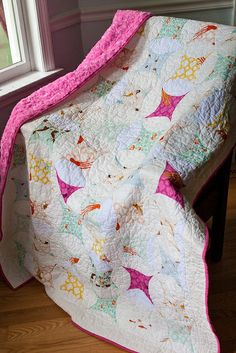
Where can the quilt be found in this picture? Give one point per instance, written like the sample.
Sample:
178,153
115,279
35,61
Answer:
93,172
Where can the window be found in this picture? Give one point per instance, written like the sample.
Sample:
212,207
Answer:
14,50
5,50
25,38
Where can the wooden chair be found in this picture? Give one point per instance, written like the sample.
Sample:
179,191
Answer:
212,202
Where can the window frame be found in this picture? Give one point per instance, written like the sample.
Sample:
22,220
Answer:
16,30
34,38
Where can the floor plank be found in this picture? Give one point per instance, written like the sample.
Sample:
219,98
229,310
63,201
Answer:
31,322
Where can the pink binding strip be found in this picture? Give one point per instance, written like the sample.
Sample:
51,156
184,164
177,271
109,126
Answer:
124,26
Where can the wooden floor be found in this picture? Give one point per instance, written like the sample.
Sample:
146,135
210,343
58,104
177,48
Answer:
31,323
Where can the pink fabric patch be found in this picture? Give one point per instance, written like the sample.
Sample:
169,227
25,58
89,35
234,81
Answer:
166,187
139,281
167,105
66,189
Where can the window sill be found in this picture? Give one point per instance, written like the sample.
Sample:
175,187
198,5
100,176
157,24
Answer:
13,90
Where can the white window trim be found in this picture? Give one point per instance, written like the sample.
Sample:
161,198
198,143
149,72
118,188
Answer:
14,90
234,14
11,31
40,40
34,37
39,53
24,64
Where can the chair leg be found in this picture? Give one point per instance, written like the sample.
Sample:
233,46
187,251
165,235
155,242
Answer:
219,216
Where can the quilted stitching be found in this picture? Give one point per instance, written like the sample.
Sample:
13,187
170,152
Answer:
109,231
